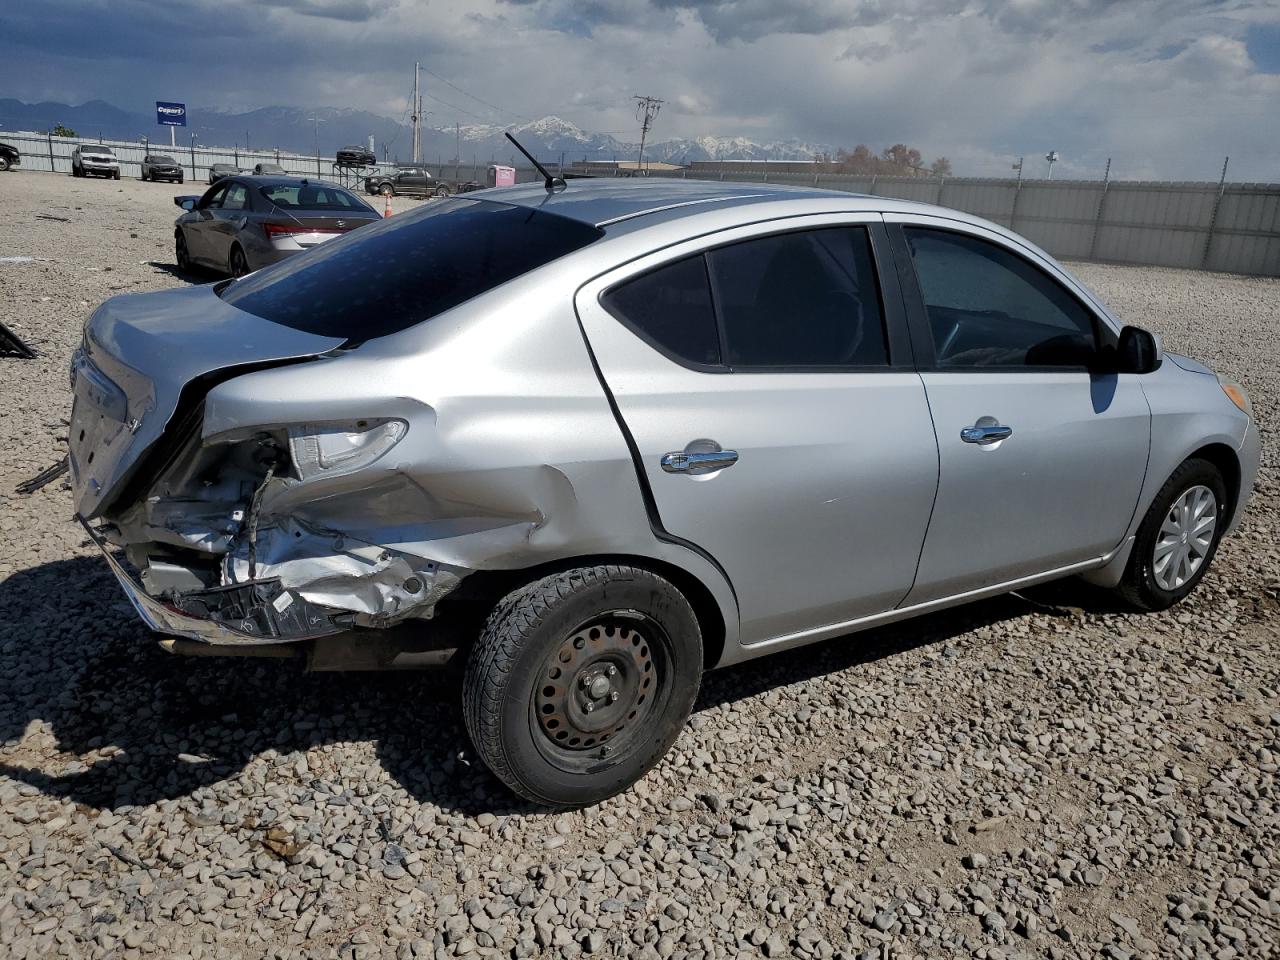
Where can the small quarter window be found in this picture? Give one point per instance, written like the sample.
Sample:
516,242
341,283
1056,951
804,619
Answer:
989,307
671,308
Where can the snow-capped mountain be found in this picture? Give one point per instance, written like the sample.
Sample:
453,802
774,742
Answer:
297,130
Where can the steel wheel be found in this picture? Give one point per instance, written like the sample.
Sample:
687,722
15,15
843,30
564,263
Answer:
1185,537
605,678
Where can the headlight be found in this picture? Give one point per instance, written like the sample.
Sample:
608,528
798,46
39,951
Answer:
1238,395
333,448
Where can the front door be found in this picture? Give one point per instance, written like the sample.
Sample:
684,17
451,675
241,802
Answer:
768,390
1041,455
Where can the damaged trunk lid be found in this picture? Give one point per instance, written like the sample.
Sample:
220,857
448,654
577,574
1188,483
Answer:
144,355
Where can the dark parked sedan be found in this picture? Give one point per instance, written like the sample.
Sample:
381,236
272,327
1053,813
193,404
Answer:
161,167
243,223
220,170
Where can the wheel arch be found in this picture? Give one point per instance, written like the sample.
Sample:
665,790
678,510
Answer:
483,589
1226,460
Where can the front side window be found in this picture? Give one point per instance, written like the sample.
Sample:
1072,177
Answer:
214,197
398,272
989,307
806,298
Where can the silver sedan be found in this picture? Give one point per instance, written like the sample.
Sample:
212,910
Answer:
597,439
243,223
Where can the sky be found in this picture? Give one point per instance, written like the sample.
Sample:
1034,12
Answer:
1166,88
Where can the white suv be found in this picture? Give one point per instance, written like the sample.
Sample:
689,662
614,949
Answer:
97,160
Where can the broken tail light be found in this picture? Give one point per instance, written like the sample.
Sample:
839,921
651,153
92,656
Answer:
330,449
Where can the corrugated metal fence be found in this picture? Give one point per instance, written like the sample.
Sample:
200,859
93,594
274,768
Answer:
1232,227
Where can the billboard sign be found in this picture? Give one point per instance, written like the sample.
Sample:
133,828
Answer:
171,114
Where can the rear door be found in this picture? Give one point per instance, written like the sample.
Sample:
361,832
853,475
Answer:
1042,456
765,379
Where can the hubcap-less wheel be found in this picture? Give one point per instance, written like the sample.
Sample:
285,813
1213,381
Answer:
603,678
1185,537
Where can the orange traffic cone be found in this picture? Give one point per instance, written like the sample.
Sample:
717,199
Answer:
387,212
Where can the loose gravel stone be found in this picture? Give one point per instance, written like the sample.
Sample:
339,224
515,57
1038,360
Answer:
1037,775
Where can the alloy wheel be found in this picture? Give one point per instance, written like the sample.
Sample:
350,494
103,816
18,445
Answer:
1185,537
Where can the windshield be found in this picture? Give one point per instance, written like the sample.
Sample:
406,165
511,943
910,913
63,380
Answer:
311,197
162,159
103,150
395,273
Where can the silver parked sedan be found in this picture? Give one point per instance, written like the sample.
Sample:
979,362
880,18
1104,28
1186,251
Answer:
596,440
243,223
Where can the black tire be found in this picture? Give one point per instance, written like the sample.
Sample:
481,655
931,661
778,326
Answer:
181,254
538,661
237,262
75,171
116,175
182,179
441,191
4,164
1139,586
387,190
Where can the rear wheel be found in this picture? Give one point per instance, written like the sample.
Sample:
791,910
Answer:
581,681
1177,538
237,263
181,254
441,191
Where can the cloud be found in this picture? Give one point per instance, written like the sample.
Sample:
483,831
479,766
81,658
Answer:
1165,87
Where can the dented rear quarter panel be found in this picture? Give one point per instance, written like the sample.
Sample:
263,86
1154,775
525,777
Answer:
512,457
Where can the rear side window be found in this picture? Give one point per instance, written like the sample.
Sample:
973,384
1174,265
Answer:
805,299
310,197
398,272
671,308
988,307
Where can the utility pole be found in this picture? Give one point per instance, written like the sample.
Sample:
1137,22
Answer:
317,121
646,112
417,114
457,148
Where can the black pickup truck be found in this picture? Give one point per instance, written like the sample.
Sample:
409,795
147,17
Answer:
407,179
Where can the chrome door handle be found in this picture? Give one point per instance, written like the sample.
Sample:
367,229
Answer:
985,434
697,462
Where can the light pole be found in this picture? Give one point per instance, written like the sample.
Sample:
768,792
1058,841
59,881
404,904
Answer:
1017,165
193,156
1051,158
317,121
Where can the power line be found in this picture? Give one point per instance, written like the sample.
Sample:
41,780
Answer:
491,106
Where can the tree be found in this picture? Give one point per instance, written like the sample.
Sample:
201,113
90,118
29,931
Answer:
902,158
941,167
62,131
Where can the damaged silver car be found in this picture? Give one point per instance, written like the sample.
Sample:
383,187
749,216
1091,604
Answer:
597,439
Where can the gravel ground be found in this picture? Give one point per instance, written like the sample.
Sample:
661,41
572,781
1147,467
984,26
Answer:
1029,776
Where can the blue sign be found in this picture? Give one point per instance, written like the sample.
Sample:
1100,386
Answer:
171,114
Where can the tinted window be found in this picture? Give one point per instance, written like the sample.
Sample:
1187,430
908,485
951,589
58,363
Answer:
988,307
671,308
310,197
799,299
395,273
161,159
213,197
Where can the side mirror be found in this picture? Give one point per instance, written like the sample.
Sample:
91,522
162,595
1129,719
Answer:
1138,351
186,203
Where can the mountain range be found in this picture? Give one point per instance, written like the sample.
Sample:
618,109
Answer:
296,130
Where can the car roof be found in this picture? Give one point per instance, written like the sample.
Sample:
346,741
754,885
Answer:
278,180
602,202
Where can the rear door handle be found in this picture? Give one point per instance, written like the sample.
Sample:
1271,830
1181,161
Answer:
697,462
985,434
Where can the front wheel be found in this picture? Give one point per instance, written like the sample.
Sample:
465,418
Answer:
581,681
440,191
1177,538
116,175
387,190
